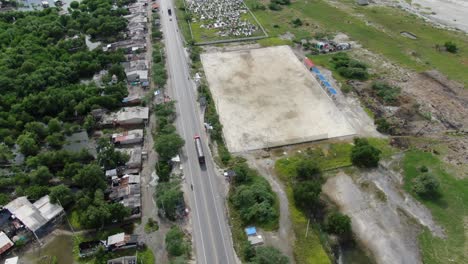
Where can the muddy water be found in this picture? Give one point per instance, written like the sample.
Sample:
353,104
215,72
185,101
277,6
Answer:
61,247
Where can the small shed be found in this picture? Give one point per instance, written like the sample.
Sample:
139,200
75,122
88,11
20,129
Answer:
308,63
251,231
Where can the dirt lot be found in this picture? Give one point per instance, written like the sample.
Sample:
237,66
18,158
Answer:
266,97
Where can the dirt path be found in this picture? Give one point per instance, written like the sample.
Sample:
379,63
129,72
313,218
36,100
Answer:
283,239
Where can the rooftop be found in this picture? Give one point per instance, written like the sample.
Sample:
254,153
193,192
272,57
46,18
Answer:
36,215
5,243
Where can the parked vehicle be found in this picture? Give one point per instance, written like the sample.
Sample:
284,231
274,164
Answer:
169,11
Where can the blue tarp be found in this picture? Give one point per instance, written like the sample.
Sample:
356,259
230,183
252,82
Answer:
332,91
314,69
320,76
250,231
327,84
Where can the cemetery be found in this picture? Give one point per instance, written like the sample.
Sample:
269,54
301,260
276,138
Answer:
212,20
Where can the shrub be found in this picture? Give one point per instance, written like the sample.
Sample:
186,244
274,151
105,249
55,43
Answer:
451,47
296,22
176,244
308,169
363,154
306,194
389,94
426,185
337,223
274,7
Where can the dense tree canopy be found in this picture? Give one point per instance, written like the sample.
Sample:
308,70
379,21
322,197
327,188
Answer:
255,202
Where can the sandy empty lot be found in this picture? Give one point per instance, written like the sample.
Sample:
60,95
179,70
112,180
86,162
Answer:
266,98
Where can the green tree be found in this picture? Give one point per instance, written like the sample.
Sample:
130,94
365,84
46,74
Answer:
54,126
35,192
308,169
168,145
61,194
306,194
243,173
269,255
426,185
255,202
108,157
37,129
41,175
338,223
74,4
4,199
28,145
176,244
5,153
55,140
90,177
451,47
168,198
363,154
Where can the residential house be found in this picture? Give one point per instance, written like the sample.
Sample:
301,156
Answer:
127,116
121,241
134,136
38,217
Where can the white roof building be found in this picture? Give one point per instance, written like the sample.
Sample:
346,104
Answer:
127,116
34,216
13,260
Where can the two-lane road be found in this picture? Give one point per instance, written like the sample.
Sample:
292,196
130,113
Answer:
211,233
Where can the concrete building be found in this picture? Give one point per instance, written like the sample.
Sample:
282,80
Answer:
121,241
127,116
137,76
38,217
135,157
129,137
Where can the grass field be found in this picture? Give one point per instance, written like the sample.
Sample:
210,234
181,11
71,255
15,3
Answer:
381,33
450,210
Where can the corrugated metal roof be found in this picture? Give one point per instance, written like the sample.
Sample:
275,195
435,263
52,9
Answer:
5,242
115,239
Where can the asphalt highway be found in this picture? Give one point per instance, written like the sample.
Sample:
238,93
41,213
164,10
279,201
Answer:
210,230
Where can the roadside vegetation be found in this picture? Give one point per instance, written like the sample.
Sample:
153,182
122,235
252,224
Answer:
251,202
428,180
178,245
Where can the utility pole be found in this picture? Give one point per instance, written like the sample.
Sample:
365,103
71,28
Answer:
307,230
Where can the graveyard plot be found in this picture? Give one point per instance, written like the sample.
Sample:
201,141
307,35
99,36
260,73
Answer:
218,20
267,98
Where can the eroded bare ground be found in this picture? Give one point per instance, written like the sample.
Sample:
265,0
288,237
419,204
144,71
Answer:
384,219
430,105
